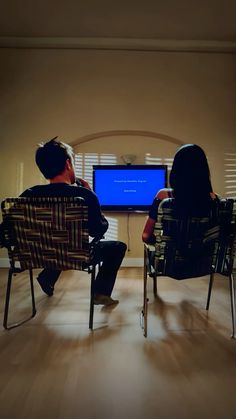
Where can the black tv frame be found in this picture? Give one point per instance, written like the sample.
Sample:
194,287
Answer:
128,208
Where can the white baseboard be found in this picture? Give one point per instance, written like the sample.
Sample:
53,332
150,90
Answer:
132,262
127,262
4,263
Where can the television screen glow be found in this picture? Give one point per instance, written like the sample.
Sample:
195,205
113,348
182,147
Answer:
128,188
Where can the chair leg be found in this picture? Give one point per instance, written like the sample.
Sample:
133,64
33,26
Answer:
32,292
7,300
145,299
209,290
155,285
232,299
91,311
150,270
145,309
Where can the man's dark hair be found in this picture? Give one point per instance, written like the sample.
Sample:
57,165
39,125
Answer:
51,157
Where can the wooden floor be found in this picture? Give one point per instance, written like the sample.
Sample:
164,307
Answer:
54,367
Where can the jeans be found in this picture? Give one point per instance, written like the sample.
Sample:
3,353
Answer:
107,252
111,254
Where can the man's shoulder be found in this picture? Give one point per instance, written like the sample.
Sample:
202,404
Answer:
58,189
34,191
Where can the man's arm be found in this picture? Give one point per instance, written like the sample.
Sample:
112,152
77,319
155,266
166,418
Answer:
97,223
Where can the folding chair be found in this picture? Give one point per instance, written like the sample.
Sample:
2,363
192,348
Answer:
49,233
190,247
226,260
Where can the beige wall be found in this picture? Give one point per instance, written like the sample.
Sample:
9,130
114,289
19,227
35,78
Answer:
73,93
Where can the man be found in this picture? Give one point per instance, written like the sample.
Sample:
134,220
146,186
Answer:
56,162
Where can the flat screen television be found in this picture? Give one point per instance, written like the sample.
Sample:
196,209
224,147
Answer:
128,188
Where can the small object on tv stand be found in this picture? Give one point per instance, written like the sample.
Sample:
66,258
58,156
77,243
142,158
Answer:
128,158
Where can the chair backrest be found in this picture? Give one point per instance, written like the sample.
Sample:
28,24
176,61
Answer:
47,233
188,247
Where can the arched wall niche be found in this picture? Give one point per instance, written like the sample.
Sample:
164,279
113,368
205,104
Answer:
122,133
148,147
107,147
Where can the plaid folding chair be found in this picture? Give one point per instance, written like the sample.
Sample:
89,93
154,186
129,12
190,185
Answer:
226,260
190,247
49,233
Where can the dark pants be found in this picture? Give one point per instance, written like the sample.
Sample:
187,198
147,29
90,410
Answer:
110,254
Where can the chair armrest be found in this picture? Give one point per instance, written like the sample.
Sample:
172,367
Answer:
149,247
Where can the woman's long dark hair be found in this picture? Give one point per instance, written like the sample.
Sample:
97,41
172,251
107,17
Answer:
190,180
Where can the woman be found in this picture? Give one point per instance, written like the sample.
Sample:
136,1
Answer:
190,186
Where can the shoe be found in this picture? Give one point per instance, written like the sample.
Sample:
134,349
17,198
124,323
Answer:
104,300
45,286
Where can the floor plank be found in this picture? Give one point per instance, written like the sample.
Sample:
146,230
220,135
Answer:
54,367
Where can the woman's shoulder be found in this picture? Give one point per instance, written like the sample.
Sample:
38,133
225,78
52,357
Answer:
164,193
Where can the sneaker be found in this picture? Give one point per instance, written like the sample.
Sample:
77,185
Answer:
45,286
104,300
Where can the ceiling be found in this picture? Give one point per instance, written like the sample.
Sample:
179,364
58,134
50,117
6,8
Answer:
163,20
